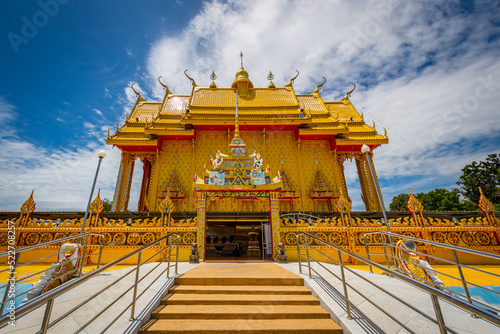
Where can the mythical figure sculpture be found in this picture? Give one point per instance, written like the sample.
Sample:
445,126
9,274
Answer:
65,269
281,256
257,162
217,161
194,257
414,266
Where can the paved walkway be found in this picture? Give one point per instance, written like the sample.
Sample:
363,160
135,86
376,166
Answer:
332,300
150,300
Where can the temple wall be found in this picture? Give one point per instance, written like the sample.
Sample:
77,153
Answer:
183,150
299,165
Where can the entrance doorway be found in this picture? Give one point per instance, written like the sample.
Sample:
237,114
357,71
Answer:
234,241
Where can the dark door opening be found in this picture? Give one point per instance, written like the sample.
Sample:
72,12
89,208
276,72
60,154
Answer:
233,241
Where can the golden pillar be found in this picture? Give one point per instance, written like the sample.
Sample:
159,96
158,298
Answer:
368,184
123,182
264,146
202,201
301,179
191,196
143,205
275,221
152,198
338,172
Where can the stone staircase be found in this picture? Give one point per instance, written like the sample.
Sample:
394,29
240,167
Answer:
240,298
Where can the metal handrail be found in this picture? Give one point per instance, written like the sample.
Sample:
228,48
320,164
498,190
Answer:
454,249
49,297
16,253
434,293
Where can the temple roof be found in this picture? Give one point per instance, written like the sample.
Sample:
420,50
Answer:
179,116
259,97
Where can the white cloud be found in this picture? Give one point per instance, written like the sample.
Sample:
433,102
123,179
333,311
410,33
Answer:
107,93
7,114
62,179
88,125
98,112
129,52
413,63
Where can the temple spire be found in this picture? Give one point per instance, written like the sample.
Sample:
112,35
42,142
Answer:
236,126
242,83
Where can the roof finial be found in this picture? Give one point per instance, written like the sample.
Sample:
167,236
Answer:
241,56
324,80
352,90
213,76
295,77
161,83
270,77
191,79
136,92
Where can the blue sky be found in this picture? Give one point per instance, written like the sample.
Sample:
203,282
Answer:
428,71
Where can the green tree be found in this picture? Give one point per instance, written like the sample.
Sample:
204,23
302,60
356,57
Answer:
441,200
485,174
107,204
399,202
434,200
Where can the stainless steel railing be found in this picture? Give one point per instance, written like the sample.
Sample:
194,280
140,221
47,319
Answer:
463,270
14,255
305,250
166,248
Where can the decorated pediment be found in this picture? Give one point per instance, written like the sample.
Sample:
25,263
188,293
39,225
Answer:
173,188
237,171
321,189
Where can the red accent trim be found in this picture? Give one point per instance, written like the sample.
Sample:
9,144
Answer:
137,148
247,127
349,148
177,137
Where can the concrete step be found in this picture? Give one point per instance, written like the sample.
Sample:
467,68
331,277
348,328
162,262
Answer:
240,312
295,281
288,326
240,274
237,299
242,289
240,298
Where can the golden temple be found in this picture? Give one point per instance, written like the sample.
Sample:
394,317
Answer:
225,161
299,135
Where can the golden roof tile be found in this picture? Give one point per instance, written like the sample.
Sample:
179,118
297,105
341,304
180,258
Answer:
175,105
132,129
226,97
356,128
311,103
145,111
246,111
